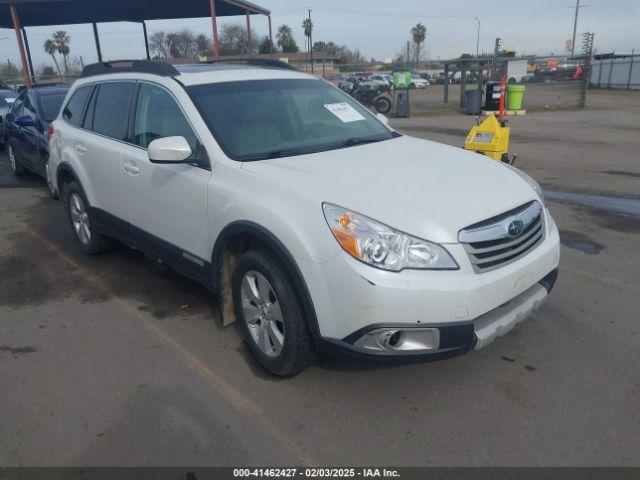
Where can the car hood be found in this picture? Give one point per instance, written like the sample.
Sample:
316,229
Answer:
427,189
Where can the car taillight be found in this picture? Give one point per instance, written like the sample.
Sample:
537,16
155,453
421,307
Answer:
50,131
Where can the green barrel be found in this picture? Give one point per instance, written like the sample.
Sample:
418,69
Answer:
515,95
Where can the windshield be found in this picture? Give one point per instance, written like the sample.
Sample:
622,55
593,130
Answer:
51,105
260,119
3,103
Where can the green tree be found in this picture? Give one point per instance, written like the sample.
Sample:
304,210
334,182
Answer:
63,45
285,39
265,45
51,48
419,33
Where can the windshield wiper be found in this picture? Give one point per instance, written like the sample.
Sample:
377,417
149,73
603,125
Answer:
351,142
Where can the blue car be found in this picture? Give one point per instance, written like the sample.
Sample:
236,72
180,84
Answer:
26,130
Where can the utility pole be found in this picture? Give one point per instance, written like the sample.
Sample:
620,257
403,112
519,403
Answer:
408,58
496,51
478,38
575,25
310,40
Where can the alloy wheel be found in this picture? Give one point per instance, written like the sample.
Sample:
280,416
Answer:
262,313
80,218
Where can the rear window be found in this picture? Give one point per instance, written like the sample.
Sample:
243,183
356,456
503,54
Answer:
51,104
112,109
75,108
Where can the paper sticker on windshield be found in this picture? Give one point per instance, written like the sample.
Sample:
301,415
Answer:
344,112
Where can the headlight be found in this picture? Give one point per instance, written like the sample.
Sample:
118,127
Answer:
529,180
381,246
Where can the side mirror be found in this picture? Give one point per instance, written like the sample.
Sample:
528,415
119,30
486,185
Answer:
9,117
25,121
383,118
169,150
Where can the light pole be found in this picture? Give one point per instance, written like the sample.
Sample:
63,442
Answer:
478,38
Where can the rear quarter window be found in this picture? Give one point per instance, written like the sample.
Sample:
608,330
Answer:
74,110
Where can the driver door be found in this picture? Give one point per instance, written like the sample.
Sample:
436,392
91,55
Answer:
167,202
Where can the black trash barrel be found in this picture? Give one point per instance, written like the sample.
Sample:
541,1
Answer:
402,104
492,100
474,102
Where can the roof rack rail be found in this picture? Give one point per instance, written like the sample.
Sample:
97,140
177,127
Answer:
123,66
258,62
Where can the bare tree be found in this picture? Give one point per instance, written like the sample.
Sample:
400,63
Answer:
203,45
159,44
233,40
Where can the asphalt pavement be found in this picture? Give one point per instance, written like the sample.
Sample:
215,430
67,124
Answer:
114,360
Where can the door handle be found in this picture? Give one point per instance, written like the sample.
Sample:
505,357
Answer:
130,168
81,149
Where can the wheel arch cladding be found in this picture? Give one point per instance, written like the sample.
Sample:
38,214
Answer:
240,236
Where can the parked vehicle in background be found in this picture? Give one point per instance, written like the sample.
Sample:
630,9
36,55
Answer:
27,130
374,95
516,70
276,190
8,95
418,82
4,109
333,79
381,79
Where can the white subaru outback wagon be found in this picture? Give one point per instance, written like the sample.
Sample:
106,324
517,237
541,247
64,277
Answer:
321,229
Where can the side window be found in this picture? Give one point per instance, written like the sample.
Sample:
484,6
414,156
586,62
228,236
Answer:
17,106
158,115
29,106
75,107
112,109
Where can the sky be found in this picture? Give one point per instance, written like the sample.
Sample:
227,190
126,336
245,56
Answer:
381,28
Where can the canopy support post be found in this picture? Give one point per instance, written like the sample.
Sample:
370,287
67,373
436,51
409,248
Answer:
270,38
146,39
97,39
214,25
250,45
23,57
28,51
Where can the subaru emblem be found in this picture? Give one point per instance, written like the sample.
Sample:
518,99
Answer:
515,228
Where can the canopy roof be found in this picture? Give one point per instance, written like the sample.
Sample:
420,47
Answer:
34,13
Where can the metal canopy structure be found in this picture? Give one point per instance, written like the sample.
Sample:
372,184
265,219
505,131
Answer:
18,14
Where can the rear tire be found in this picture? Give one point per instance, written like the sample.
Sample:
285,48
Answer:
270,314
17,169
77,207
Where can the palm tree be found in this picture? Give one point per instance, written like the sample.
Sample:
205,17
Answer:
307,28
284,35
419,33
51,48
63,45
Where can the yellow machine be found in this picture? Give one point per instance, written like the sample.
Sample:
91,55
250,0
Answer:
490,138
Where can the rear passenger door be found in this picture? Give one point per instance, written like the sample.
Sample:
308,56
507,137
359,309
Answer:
167,202
31,135
101,144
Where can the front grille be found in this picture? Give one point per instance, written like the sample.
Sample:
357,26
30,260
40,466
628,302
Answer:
503,239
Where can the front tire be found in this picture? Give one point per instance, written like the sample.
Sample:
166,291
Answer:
17,169
270,314
77,206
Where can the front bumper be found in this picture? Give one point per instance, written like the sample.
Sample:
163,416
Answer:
455,338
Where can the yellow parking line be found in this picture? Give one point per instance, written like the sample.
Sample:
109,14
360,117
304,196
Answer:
233,395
